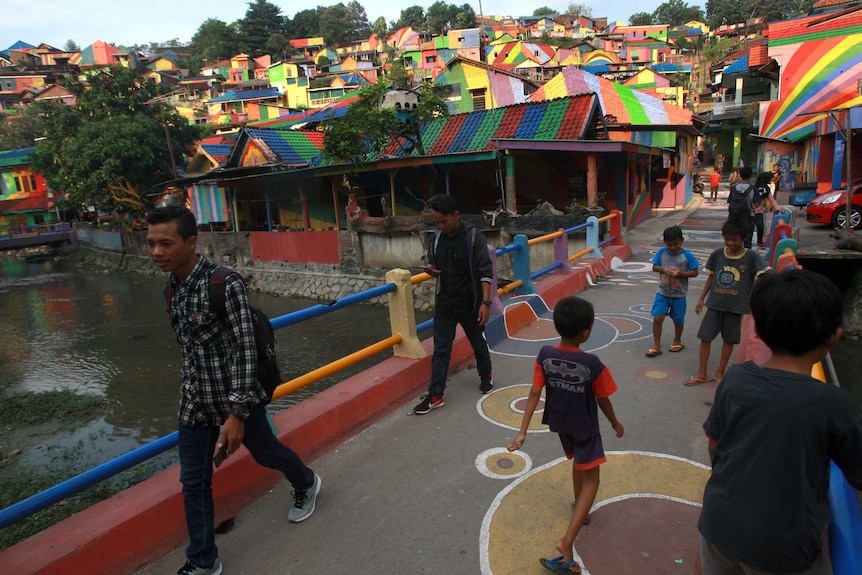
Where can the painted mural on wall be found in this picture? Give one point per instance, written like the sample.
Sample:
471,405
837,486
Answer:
821,67
789,159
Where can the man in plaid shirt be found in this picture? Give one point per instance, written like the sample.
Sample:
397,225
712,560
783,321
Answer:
222,405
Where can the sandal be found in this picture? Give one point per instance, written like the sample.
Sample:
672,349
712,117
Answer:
693,380
558,565
676,348
652,352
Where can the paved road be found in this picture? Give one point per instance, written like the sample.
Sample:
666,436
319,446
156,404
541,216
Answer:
440,494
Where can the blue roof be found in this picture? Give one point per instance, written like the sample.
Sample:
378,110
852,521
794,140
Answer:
738,67
18,157
238,96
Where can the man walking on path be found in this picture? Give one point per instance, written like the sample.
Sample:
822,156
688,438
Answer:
222,405
458,257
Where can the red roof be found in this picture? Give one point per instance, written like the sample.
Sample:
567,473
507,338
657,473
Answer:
36,201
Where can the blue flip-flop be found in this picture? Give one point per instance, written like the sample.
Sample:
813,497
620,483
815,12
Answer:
559,565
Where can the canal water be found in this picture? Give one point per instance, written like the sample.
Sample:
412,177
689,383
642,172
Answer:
103,332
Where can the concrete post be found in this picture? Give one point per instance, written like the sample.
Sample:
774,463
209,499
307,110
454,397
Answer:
402,318
561,253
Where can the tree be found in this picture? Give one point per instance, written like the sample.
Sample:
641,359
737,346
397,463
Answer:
413,16
359,27
365,130
676,12
305,23
464,17
20,131
70,46
640,19
579,8
278,47
334,24
438,17
111,148
380,29
215,41
262,20
545,11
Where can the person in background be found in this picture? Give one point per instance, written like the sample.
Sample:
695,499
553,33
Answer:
761,198
714,181
772,431
458,257
222,405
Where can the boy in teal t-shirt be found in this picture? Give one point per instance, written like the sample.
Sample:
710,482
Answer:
674,266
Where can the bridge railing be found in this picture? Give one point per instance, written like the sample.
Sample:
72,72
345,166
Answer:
404,341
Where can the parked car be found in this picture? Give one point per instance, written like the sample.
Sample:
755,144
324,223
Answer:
831,208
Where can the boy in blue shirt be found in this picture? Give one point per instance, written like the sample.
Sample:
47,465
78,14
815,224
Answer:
575,383
772,430
674,266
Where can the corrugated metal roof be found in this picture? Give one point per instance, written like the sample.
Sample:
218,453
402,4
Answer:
11,158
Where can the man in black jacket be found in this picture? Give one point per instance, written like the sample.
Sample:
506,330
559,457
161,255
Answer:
458,257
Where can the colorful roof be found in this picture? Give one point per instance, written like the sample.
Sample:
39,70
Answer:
627,105
291,146
563,119
817,74
218,152
12,158
738,67
241,95
34,202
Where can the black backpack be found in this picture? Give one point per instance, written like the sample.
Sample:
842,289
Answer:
268,374
739,205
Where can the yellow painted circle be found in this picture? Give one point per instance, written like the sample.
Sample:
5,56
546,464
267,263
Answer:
536,508
498,463
505,407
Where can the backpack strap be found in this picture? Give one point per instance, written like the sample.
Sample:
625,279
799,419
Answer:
218,287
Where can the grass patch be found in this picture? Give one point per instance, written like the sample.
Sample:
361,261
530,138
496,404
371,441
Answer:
63,406
26,411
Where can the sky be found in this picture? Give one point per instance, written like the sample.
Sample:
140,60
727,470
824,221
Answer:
121,22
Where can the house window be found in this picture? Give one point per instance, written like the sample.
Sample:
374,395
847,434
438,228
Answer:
453,91
289,72
478,99
17,184
430,59
32,182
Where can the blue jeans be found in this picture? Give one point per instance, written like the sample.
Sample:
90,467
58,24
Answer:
196,447
444,335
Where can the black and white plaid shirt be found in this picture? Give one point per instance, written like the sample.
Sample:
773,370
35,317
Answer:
219,357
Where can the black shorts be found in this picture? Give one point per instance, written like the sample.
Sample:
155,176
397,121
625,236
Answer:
727,323
587,453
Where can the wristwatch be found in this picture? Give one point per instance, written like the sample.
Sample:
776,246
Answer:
241,411
486,302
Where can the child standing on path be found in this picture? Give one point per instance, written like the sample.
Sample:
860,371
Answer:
674,266
575,384
732,270
772,430
714,180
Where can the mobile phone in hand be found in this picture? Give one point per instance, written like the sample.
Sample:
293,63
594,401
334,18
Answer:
220,455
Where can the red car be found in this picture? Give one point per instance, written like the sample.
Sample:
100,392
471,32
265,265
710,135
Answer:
831,208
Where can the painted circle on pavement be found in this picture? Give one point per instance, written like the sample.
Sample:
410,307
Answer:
499,463
505,407
647,504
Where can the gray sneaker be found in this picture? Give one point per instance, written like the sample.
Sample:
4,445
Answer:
304,501
191,569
